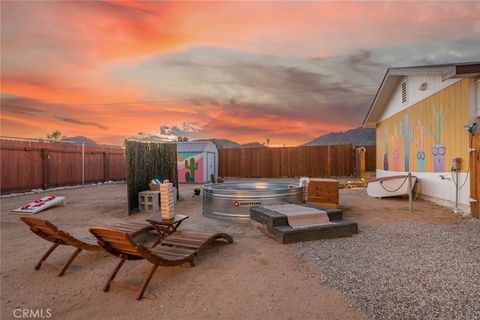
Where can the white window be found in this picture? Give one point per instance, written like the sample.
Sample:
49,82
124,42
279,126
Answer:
404,92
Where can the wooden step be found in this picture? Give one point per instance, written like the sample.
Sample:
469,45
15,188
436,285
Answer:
337,229
272,219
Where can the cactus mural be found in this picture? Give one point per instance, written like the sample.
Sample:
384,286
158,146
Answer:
438,149
191,168
406,133
385,148
186,161
420,143
395,151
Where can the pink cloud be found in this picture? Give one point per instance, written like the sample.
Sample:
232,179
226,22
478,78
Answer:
62,54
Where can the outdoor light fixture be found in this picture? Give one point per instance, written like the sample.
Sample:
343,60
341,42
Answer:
470,128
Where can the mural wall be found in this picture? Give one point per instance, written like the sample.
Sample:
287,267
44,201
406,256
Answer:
427,135
190,167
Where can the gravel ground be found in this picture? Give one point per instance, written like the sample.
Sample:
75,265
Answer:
405,270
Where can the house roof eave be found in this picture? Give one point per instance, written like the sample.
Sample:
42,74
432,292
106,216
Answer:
445,71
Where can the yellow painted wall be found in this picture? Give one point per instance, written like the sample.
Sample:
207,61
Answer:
449,104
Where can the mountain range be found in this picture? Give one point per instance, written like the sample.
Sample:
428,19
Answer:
357,137
79,140
225,143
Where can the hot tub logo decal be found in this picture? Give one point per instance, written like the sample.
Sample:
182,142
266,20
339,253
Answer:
248,203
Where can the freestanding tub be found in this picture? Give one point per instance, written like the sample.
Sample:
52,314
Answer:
233,200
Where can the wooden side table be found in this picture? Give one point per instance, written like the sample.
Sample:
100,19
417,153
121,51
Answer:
164,227
134,229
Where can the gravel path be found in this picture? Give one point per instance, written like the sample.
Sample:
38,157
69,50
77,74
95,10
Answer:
405,270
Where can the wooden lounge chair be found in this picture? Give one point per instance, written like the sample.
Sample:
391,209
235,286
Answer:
48,231
121,245
192,239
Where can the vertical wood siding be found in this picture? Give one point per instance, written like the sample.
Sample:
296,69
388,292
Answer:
315,161
27,165
370,158
450,105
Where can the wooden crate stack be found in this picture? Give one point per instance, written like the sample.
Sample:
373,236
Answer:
167,210
323,192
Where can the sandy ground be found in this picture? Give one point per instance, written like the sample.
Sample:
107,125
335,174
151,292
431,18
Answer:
253,278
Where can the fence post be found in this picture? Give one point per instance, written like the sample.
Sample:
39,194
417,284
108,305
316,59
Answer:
329,161
359,162
45,168
83,164
106,174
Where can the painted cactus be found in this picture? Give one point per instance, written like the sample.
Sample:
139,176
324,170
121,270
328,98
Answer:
385,149
407,134
396,150
193,166
438,149
420,143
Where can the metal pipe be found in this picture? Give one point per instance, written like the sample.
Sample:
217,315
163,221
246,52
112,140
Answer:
456,210
83,164
410,193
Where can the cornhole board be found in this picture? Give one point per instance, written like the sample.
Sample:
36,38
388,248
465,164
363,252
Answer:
40,204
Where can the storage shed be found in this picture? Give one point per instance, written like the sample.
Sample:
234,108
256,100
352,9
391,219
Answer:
196,161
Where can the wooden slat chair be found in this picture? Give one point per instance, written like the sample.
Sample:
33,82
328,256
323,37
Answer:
48,231
122,245
193,239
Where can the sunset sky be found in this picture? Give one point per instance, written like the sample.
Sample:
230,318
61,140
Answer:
244,71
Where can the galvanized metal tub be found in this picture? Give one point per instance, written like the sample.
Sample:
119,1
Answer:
233,200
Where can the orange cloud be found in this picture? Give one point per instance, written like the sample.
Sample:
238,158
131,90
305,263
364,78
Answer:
62,57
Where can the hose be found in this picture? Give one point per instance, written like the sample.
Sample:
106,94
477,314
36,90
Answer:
381,183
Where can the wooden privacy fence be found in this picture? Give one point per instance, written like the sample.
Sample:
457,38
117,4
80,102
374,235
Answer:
315,161
370,158
28,165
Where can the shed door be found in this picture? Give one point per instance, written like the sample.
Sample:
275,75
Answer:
210,165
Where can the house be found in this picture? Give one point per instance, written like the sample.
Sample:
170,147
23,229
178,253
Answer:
419,114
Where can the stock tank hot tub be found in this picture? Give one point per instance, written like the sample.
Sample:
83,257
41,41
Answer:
233,200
